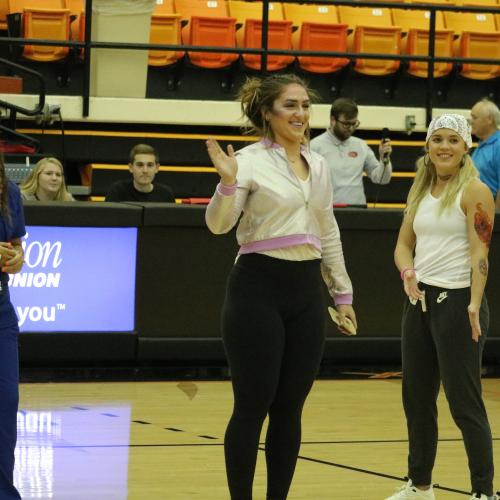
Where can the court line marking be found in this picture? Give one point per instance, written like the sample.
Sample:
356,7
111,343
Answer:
172,445
373,473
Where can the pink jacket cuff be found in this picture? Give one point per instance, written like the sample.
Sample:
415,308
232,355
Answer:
343,299
226,190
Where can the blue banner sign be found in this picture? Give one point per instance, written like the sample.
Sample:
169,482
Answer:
76,279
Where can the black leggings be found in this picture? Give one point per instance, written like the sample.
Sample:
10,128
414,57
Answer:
273,329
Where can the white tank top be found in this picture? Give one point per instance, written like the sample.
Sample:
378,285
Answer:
442,252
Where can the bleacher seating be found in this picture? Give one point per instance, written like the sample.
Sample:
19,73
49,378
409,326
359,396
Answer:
315,27
217,32
477,37
243,10
165,29
415,27
318,27
373,33
249,15
49,24
207,24
206,8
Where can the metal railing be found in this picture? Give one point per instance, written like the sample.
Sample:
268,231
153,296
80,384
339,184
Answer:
41,89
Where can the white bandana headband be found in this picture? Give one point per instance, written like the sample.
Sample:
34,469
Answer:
453,122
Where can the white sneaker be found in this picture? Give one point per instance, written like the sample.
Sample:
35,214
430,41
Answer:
477,496
409,492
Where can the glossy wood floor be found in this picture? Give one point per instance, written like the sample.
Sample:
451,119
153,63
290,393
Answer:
163,440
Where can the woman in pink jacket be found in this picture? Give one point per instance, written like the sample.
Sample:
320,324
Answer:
273,319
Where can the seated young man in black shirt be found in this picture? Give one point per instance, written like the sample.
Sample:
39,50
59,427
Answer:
144,165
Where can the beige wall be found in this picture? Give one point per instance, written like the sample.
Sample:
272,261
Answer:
217,113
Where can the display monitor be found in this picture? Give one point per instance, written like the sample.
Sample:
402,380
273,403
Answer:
76,279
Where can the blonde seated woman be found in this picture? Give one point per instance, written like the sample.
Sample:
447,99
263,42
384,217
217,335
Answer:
46,182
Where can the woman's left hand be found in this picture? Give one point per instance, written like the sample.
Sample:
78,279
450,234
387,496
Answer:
347,311
12,258
474,322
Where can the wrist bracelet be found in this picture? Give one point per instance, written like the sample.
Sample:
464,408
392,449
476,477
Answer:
403,271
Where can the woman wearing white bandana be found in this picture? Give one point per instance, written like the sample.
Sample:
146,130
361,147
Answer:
442,254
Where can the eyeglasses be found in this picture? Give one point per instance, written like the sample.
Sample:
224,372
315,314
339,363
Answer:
354,124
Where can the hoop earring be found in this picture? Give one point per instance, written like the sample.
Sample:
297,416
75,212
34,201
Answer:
427,160
462,161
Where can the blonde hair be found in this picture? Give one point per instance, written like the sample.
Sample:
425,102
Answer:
258,95
426,177
30,185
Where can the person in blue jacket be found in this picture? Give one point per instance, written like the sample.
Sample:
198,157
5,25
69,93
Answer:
11,261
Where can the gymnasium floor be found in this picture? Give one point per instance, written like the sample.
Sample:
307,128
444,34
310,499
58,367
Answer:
163,440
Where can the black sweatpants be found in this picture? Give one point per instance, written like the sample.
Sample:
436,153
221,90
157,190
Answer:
437,346
273,329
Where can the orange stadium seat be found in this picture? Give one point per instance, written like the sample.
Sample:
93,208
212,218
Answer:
478,38
480,45
419,19
479,3
217,32
308,13
204,8
415,24
418,45
318,29
46,24
165,29
164,7
209,25
279,37
242,11
478,22
316,36
312,13
46,4
249,15
4,11
18,6
373,33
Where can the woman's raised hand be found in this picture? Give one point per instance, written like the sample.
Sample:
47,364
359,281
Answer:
225,163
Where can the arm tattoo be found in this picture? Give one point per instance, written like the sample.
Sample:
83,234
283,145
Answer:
483,225
483,267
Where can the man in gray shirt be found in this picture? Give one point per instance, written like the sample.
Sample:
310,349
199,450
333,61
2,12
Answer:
348,157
